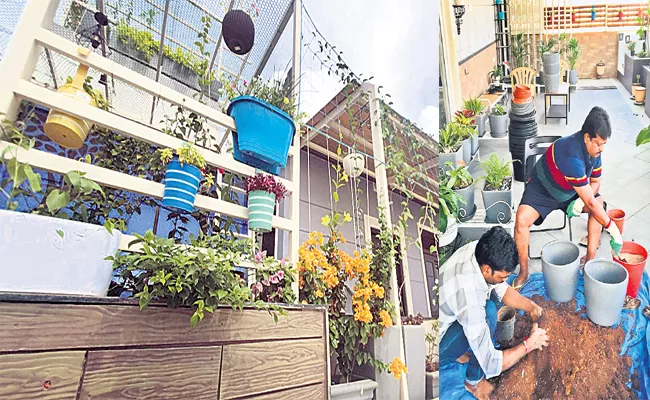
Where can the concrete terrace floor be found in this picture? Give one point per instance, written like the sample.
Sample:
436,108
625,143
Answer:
626,168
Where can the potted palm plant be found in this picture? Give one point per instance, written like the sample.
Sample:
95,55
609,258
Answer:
476,107
497,191
498,122
574,54
496,74
450,144
467,122
462,182
263,193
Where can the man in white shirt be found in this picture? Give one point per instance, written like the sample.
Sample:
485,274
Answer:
472,286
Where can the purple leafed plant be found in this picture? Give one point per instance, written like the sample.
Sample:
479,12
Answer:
266,183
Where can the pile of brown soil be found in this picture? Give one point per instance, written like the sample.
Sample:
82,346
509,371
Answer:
631,258
580,362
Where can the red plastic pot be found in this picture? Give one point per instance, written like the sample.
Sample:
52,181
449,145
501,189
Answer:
618,216
620,15
635,270
573,18
522,93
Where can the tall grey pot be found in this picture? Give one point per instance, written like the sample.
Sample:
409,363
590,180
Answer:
450,157
499,125
474,144
466,210
498,206
560,266
481,120
605,287
573,77
552,82
467,150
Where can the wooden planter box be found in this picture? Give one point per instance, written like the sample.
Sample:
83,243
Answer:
61,347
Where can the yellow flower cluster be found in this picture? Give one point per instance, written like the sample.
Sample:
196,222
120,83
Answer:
386,320
397,367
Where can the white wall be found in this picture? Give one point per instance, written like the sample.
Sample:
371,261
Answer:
477,30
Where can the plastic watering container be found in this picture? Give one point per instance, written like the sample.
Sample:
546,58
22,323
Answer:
264,133
181,185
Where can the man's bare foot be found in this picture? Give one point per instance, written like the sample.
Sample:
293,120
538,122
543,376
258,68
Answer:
482,390
464,359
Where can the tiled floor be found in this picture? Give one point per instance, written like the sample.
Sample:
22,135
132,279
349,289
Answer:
626,168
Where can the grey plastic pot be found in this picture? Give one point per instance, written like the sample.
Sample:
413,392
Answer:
605,287
573,77
551,58
450,157
474,144
506,318
498,206
498,125
357,390
432,385
552,82
560,266
481,120
551,69
466,210
467,150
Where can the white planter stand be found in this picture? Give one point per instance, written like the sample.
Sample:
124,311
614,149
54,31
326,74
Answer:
416,351
50,255
359,390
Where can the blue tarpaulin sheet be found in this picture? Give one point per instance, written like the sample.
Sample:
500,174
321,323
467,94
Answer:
636,344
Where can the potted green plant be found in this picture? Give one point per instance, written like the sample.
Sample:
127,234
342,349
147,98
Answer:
519,50
496,74
264,113
461,181
544,47
451,143
450,202
467,132
631,46
574,54
46,242
432,372
183,176
498,122
200,275
497,191
478,108
600,69
264,191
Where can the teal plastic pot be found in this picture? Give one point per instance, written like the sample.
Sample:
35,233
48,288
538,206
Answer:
261,205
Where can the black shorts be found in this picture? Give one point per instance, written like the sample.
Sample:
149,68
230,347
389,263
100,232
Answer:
537,197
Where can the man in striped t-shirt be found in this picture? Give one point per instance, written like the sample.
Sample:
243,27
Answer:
567,177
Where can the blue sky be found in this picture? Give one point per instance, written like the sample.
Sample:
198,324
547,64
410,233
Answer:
394,41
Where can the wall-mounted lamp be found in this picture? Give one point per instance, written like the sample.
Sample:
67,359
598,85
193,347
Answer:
459,11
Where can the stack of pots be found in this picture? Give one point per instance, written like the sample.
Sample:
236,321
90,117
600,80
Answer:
523,125
552,71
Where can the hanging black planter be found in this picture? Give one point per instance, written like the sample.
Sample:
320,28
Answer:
238,31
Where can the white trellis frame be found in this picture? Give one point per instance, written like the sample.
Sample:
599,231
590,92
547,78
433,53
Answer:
29,39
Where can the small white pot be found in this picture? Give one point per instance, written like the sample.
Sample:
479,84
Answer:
450,234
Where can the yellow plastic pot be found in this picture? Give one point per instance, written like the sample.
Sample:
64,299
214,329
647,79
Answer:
66,130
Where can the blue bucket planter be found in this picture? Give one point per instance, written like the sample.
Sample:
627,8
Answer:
502,15
261,205
264,133
181,185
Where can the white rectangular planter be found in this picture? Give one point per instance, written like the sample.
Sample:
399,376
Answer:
416,351
50,255
359,390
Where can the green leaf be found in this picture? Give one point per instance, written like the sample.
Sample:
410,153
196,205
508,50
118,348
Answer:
73,178
643,137
194,320
33,178
60,233
56,200
335,195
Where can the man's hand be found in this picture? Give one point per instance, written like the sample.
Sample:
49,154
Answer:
538,338
536,312
575,208
616,241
